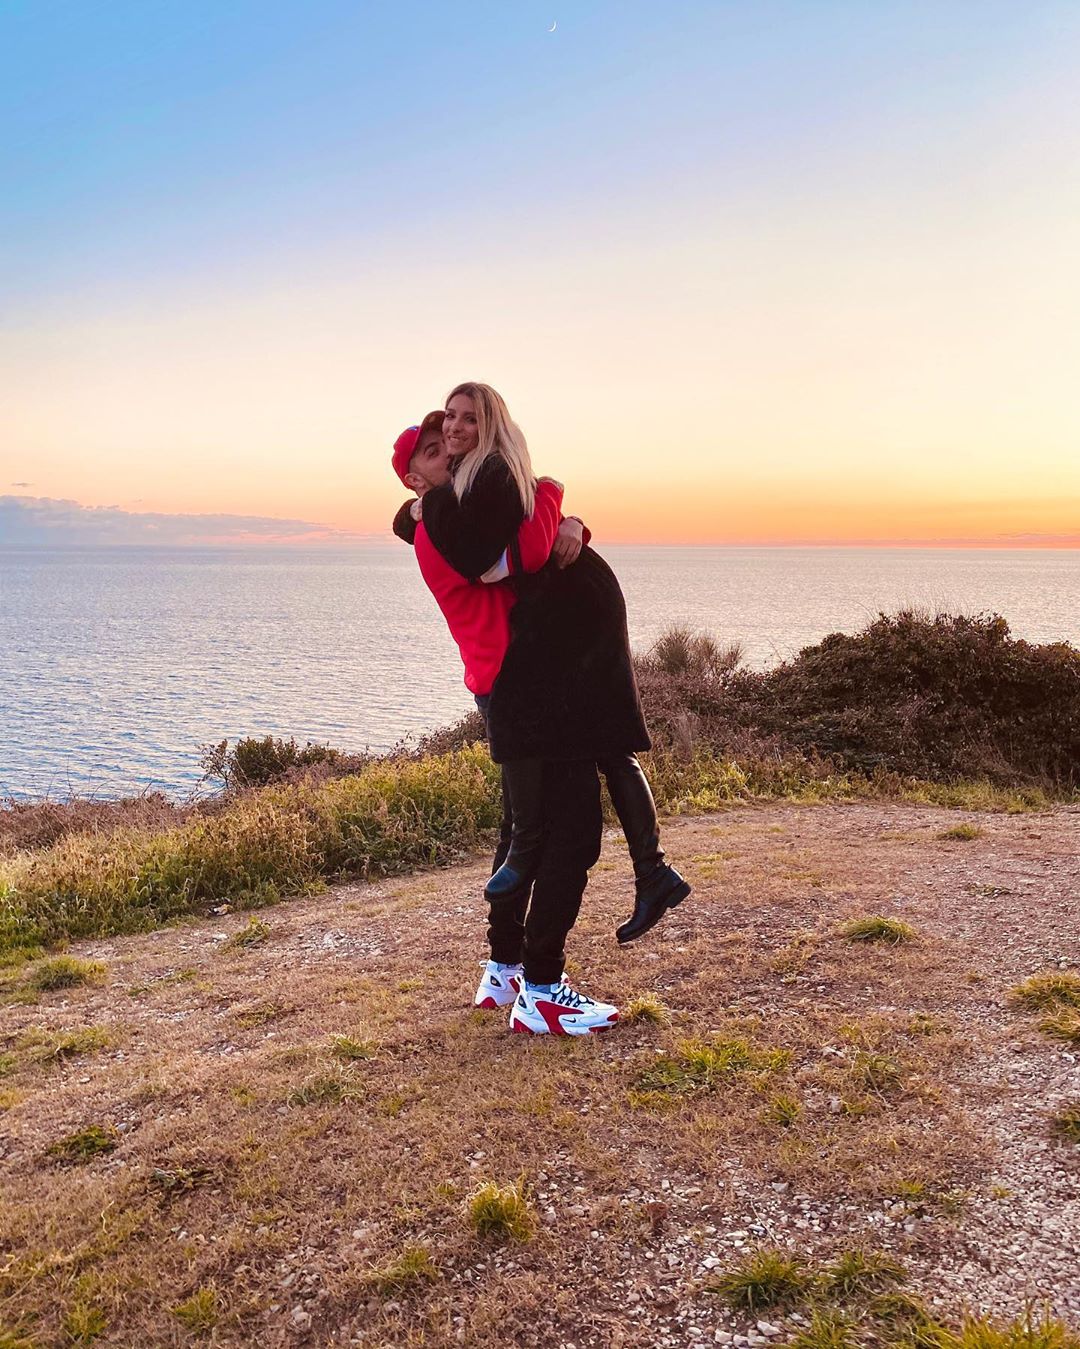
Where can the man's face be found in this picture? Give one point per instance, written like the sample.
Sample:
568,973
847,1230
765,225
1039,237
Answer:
430,464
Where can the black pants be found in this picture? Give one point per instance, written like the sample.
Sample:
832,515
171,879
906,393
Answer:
532,926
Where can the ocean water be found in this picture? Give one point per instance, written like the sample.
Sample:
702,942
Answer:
117,664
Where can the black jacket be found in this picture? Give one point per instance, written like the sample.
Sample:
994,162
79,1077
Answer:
566,689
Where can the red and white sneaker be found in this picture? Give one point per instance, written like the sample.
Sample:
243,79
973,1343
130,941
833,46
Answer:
559,1010
499,985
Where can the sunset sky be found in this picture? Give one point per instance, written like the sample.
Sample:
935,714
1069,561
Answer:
745,272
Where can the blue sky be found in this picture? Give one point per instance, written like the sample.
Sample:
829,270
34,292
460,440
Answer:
743,202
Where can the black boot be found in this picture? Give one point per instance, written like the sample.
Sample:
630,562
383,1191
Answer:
523,780
659,887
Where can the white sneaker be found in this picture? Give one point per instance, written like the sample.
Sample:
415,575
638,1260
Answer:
499,985
562,1010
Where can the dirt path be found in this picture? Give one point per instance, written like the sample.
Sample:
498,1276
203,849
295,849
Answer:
278,1185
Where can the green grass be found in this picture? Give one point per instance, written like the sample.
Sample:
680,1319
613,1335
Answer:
1066,1123
84,1324
65,972
390,818
44,1046
765,1278
413,1267
828,1329
982,1333
1048,991
645,1007
961,833
880,1073
875,928
199,1313
1064,1024
84,1145
326,1089
502,1212
782,1110
253,933
703,1065
857,1273
348,1048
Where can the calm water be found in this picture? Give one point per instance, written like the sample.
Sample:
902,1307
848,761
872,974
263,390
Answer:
117,664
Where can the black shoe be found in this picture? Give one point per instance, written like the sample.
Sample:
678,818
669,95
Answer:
658,892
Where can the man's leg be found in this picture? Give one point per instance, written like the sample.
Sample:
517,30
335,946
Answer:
659,887
574,826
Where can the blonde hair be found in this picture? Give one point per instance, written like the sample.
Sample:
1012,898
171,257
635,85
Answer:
497,434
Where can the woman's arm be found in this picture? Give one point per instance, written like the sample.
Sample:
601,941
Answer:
473,533
405,523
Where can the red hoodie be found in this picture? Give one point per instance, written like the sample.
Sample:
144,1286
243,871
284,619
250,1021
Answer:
478,614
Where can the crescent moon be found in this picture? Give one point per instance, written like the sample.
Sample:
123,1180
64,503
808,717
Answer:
553,26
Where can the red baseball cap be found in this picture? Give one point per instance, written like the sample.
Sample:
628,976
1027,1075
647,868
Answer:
406,443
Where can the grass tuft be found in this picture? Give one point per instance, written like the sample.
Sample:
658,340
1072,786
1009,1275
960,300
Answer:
44,1046
348,1048
982,1333
880,1073
84,1145
766,1278
501,1211
326,1089
83,1324
857,1273
1048,991
199,1313
65,972
782,1110
827,1330
1066,1123
1064,1024
961,833
254,933
646,1007
412,1267
876,928
703,1065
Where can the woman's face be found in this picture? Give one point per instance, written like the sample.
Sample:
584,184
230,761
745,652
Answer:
459,426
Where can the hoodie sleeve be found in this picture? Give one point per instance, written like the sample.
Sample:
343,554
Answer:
404,525
472,534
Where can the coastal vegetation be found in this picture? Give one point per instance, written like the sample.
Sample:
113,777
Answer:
944,710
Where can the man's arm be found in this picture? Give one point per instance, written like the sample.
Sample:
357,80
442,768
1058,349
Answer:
405,523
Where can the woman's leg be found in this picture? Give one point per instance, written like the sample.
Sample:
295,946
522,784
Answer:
523,787
658,886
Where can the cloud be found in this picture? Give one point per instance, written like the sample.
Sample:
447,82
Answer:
47,521
22,484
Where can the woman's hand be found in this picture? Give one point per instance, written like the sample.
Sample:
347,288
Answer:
567,546
416,510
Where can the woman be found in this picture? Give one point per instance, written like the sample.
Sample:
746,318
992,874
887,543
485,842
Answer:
564,698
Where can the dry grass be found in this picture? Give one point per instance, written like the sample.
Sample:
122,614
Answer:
249,1155
763,1281
1049,991
65,972
1066,1123
890,931
961,833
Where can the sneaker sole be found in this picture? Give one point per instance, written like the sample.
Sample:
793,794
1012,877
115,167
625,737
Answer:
517,1028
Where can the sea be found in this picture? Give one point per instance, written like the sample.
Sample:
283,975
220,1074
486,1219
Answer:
118,665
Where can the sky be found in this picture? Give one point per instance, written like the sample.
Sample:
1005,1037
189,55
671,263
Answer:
746,272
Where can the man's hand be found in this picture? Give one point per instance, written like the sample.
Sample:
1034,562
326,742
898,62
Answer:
567,546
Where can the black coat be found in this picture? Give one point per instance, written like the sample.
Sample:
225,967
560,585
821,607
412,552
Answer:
566,689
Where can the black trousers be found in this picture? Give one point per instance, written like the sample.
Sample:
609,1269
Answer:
531,926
